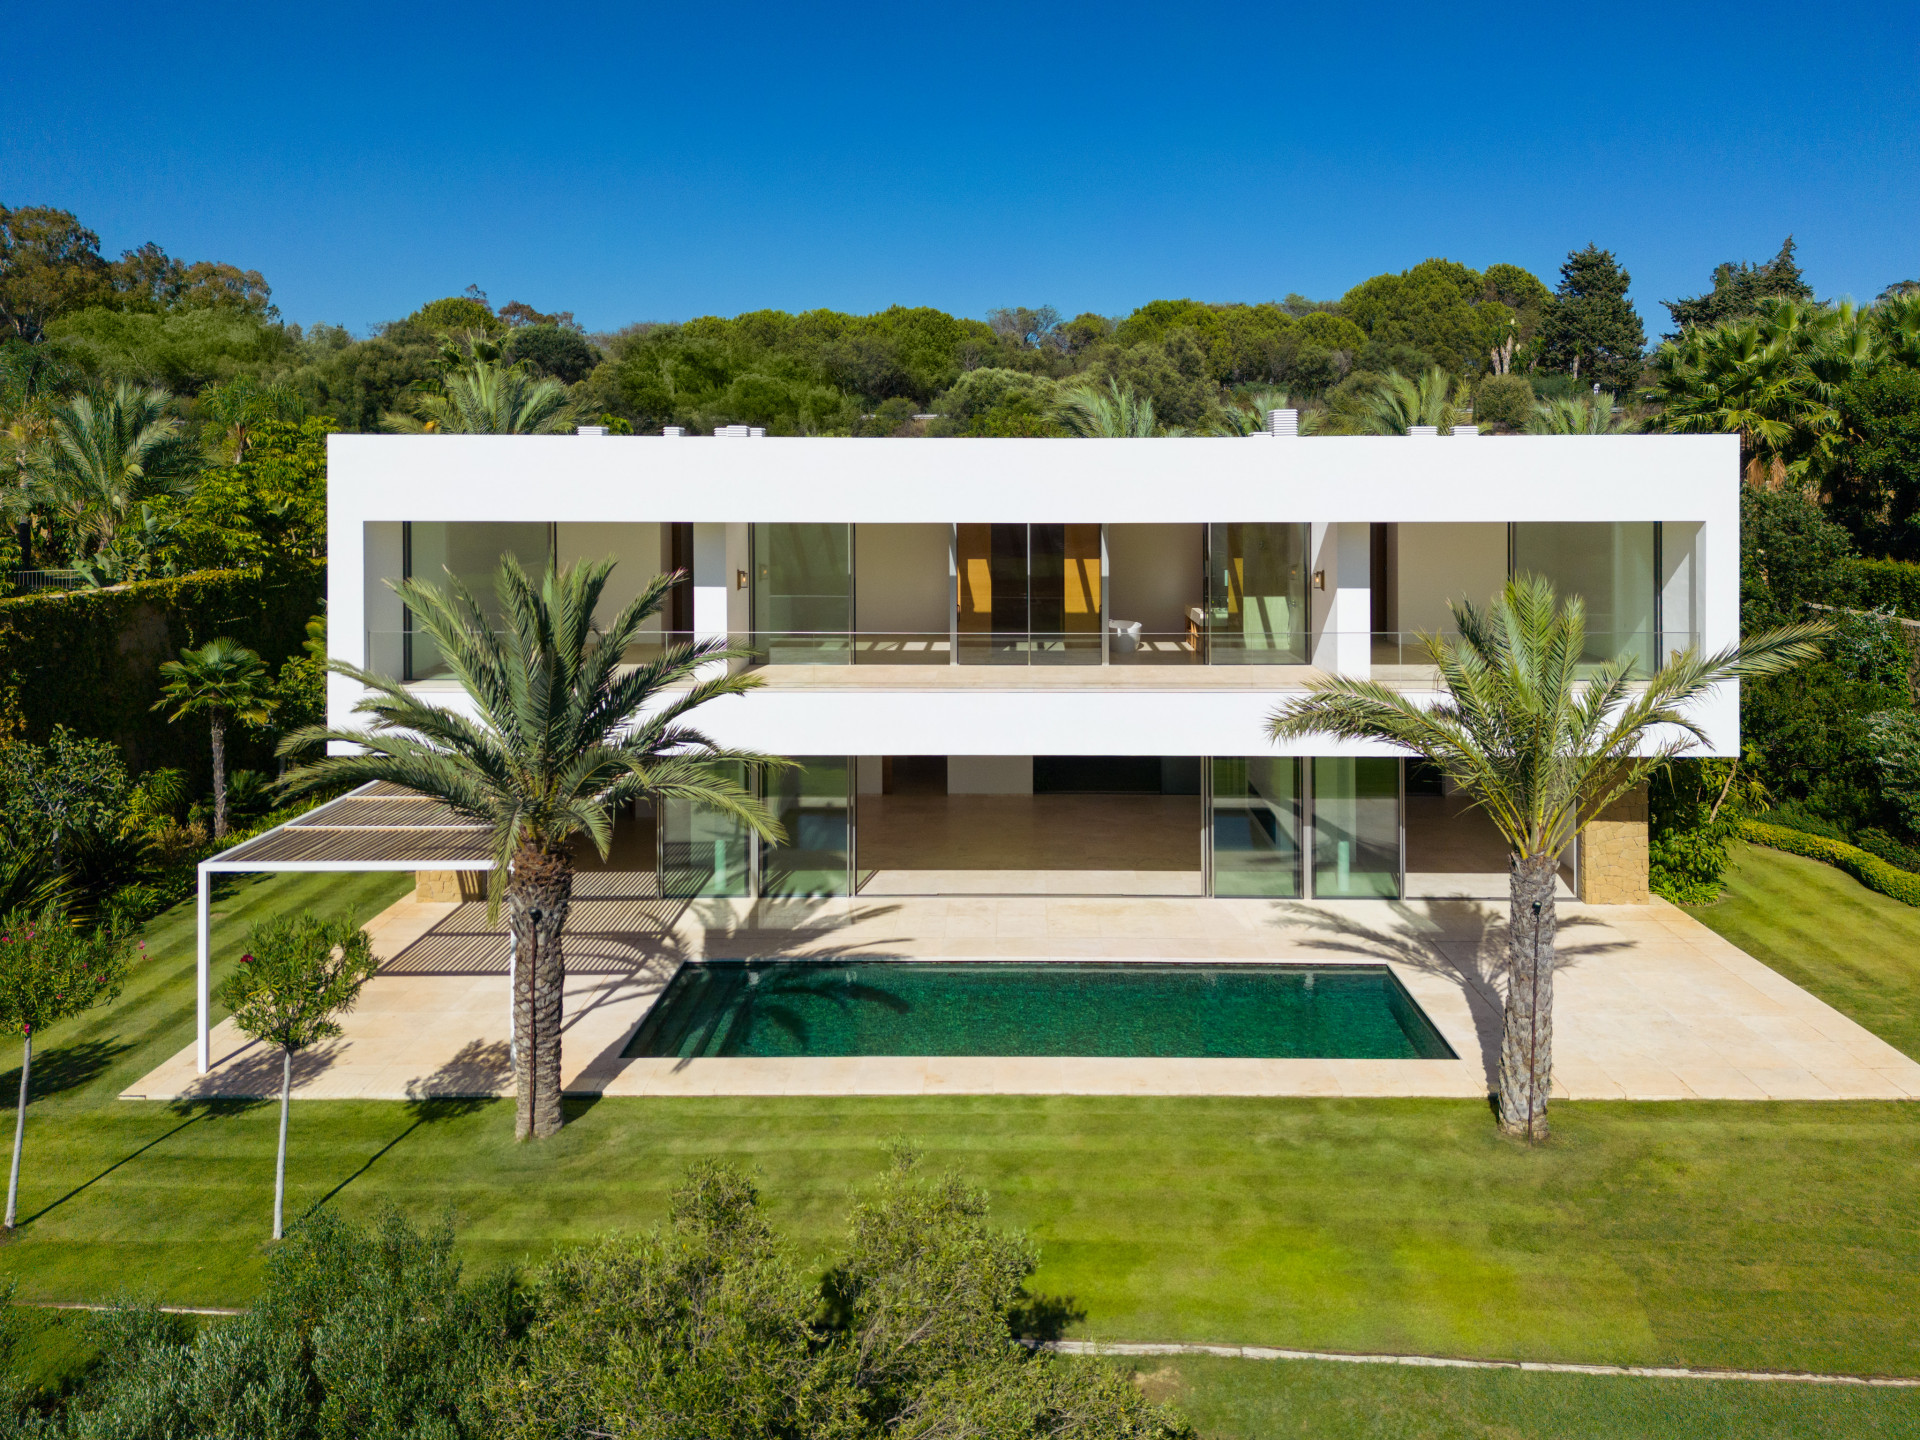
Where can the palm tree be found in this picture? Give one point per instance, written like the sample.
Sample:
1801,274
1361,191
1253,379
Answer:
488,398
564,734
1772,379
111,449
1542,750
1579,415
1112,413
1248,414
1397,404
230,414
224,681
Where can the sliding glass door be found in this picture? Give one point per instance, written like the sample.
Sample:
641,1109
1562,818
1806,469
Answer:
1257,594
803,593
1256,826
1356,827
1028,594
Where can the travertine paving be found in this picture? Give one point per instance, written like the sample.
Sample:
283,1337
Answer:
1650,1004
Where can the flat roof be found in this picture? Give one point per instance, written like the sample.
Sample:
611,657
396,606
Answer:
376,827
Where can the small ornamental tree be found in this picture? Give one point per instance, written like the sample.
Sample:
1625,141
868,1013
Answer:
300,972
48,971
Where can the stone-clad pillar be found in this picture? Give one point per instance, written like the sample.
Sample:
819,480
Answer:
1613,853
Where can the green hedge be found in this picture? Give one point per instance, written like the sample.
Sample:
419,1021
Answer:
90,659
1870,870
1885,585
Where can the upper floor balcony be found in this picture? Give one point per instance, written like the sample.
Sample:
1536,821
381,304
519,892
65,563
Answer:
1223,605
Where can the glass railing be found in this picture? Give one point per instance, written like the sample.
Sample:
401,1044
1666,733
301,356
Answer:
413,656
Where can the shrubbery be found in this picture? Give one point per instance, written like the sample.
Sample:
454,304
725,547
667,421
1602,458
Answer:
710,1326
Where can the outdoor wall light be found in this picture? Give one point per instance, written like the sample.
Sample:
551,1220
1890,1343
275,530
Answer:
1319,579
739,579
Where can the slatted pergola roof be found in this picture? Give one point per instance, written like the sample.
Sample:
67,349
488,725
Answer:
377,827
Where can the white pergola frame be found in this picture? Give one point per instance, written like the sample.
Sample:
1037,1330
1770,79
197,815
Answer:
207,869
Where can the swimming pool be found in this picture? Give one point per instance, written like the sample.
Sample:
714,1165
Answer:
882,1007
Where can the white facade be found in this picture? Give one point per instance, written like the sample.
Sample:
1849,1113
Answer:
1441,510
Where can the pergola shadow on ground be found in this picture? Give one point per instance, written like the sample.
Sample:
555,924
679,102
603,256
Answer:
1650,1004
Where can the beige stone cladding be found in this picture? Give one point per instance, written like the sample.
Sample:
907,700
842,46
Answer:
1613,853
449,886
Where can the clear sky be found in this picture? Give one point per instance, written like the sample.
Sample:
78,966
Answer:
641,162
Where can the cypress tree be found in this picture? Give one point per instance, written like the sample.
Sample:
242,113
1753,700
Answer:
1591,330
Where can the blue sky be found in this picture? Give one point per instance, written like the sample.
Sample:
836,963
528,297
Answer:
641,162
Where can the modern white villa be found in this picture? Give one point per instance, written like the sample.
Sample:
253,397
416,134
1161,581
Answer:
1028,682
1045,666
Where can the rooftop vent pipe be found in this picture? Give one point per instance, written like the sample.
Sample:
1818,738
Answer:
589,429
730,432
1423,430
1283,422
673,432
1464,430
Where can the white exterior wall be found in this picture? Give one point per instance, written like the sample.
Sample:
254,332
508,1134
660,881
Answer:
1337,484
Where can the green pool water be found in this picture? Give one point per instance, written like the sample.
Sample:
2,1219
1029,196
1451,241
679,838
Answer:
878,1007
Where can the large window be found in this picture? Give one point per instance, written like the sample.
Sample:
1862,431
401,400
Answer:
442,553
812,804
1257,594
703,853
1256,826
1356,827
1611,568
803,593
1028,594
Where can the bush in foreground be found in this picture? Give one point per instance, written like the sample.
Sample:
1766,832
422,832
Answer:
709,1326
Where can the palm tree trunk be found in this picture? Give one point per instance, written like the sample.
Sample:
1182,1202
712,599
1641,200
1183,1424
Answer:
219,776
1526,1040
537,899
280,1162
19,1130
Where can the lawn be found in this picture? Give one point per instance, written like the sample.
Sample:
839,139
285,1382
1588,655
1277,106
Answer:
1709,1234
1824,930
1269,1400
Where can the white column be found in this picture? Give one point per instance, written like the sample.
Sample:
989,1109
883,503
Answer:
200,1051
712,583
1341,595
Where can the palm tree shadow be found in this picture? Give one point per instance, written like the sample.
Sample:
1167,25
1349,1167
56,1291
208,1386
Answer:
1460,941
773,988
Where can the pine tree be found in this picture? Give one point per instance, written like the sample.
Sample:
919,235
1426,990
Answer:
1738,290
1591,330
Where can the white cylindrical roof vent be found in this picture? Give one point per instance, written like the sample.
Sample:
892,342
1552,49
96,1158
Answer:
1283,422
1464,430
589,429
1423,430
758,432
731,432
673,431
